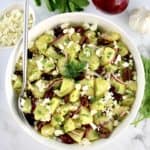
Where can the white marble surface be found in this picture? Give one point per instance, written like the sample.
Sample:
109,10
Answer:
11,135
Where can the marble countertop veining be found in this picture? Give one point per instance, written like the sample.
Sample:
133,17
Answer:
11,135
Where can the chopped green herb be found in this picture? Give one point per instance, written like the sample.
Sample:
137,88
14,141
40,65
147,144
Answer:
73,68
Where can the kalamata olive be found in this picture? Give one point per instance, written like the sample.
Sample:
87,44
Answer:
58,31
84,101
127,74
65,138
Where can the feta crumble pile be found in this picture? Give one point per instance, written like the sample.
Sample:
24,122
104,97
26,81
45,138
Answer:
11,27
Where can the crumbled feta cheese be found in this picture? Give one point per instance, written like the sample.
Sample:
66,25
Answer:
73,107
86,26
22,102
83,46
89,97
87,53
87,66
55,72
117,74
85,141
88,77
40,85
93,112
11,27
78,86
116,123
99,51
91,45
124,97
109,114
115,45
134,77
85,88
118,59
65,25
14,77
70,44
30,45
74,45
45,101
39,63
77,47
94,127
75,116
94,27
108,96
125,64
61,46
58,132
130,61
70,31
50,32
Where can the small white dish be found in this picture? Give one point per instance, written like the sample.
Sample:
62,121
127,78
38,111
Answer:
76,18
19,6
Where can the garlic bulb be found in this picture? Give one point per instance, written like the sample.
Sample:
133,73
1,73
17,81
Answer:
139,20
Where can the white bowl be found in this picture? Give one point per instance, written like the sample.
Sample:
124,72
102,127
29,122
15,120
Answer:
76,18
19,6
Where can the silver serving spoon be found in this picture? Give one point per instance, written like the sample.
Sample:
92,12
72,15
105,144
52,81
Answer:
24,58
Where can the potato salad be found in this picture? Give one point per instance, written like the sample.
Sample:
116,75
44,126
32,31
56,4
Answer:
81,83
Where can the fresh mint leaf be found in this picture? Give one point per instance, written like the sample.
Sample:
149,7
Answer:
64,5
61,5
145,107
38,2
49,5
81,3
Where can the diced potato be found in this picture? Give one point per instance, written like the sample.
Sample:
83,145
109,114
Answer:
92,135
76,37
76,135
91,36
111,36
47,130
66,87
57,120
38,88
85,116
33,72
123,50
69,125
101,87
74,96
54,103
108,55
94,62
41,113
119,87
97,105
17,83
43,41
50,52
90,86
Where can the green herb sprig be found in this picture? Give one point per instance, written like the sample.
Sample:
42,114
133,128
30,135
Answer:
144,112
74,68
64,5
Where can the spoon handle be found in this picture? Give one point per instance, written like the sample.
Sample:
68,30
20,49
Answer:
25,42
